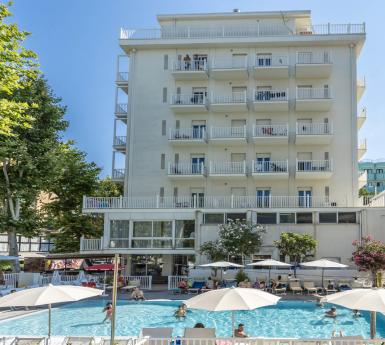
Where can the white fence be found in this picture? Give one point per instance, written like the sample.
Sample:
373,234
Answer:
313,57
314,165
227,132
90,244
279,130
304,128
193,99
234,97
314,93
190,65
227,168
187,134
11,279
173,281
186,169
145,281
270,167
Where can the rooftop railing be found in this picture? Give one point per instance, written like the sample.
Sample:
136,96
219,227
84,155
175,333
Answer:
240,31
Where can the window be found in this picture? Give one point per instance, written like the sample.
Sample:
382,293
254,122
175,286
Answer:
162,229
266,218
213,218
304,218
164,95
163,127
327,217
184,233
119,228
162,161
234,216
287,218
142,229
347,217
165,62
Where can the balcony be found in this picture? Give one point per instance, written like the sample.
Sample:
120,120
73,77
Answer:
361,118
313,133
227,169
121,110
313,99
190,70
270,170
122,79
91,244
274,67
362,179
186,170
235,102
271,134
228,135
314,169
120,143
194,103
118,175
361,87
187,136
313,65
361,150
229,70
271,100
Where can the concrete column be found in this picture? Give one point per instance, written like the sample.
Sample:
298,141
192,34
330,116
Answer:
167,265
106,234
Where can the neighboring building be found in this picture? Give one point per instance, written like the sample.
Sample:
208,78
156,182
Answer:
27,247
242,115
375,174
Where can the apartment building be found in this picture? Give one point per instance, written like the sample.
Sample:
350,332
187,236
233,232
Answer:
372,173
234,115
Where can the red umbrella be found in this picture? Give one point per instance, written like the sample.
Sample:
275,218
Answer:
101,267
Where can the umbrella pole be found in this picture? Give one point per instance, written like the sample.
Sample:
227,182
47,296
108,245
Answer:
49,321
114,295
268,282
372,324
322,280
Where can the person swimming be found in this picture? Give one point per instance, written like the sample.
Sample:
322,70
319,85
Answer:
180,312
108,310
331,313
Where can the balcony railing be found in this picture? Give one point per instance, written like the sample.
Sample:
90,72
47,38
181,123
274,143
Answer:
234,97
314,165
120,141
122,77
270,95
193,99
121,108
270,167
227,132
187,134
314,128
186,169
227,168
272,61
319,58
270,130
240,31
230,63
91,244
192,65
118,174
313,93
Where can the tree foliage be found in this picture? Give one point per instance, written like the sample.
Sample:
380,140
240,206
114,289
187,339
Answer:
18,70
213,251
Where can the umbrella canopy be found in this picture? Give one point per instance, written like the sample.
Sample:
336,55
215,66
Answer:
231,299
323,263
372,300
221,264
269,263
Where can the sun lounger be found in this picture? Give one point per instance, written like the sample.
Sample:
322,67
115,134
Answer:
191,335
79,341
118,341
28,341
310,287
295,287
196,287
157,336
329,289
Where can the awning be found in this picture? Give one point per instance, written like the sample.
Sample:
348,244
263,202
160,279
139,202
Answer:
78,255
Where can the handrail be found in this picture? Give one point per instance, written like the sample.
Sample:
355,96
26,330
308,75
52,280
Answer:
270,167
304,128
314,165
234,97
227,132
271,95
186,168
198,134
227,168
192,99
313,93
276,130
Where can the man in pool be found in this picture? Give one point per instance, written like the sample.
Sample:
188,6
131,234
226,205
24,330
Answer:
180,312
331,313
199,325
240,331
137,295
108,310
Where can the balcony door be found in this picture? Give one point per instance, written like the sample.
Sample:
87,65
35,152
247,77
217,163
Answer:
304,126
198,197
263,162
264,60
263,197
304,161
197,162
200,61
238,128
304,197
198,129
198,95
238,157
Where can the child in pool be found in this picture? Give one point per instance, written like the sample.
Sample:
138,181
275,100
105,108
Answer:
108,310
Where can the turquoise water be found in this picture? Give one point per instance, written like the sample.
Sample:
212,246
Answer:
288,319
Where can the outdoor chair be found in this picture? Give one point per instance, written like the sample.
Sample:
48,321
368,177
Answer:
201,336
28,341
330,288
79,341
196,287
156,336
310,287
279,290
295,287
107,341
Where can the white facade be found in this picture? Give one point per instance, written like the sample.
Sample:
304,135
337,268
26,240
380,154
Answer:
248,113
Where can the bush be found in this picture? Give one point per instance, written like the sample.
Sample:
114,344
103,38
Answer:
241,276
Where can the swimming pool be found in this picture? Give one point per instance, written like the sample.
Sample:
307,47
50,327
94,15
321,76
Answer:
288,319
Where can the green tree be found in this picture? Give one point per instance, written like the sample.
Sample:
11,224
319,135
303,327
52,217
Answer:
26,161
213,251
296,246
18,70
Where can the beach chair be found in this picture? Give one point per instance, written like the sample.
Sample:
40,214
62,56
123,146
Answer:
196,287
117,341
310,287
201,336
329,289
79,341
28,341
156,336
279,290
295,287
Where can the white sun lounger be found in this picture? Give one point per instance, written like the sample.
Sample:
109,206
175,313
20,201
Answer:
79,341
117,341
157,336
28,341
199,336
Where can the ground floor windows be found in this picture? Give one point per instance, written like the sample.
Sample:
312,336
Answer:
327,217
184,234
347,217
304,218
266,218
287,218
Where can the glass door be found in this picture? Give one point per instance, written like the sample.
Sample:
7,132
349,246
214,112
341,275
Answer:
263,198
197,164
304,198
198,129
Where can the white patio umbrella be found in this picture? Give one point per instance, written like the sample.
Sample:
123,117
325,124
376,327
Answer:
372,300
221,265
269,263
48,295
8,258
323,264
232,299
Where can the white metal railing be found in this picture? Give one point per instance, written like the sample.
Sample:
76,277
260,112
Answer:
304,128
11,279
313,93
121,108
270,95
239,31
314,165
235,63
145,281
227,132
118,174
187,134
174,281
279,130
91,244
270,167
320,58
120,140
190,65
207,202
193,99
122,77
227,168
271,61
234,97
186,168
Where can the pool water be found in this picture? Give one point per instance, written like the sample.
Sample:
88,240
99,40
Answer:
288,319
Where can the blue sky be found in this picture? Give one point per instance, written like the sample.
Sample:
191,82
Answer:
77,44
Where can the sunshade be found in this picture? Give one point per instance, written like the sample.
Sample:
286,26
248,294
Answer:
221,264
323,264
269,263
